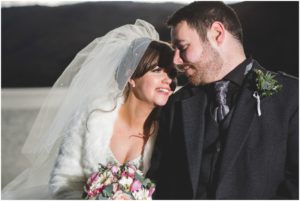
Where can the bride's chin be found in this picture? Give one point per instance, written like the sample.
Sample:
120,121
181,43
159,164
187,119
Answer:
161,103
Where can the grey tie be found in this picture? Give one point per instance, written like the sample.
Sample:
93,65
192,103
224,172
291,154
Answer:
221,88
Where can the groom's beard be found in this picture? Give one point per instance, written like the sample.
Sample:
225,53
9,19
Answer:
208,68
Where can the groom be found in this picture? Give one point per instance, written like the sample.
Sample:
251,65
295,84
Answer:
232,132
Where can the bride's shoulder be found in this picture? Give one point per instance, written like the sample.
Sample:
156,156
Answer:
101,118
78,118
94,118
103,114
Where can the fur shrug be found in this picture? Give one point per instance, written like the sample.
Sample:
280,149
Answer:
85,146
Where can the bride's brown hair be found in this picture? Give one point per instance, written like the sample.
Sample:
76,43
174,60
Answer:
159,54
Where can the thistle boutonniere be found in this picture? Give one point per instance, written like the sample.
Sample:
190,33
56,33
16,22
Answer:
266,86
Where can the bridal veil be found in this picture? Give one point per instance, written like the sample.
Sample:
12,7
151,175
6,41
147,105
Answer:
98,72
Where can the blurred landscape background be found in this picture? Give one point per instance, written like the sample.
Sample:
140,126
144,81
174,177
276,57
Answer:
38,42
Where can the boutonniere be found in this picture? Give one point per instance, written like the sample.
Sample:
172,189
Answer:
266,86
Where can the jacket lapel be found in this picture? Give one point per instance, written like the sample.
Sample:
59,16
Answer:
193,114
245,111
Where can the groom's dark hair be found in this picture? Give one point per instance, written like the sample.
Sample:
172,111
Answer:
201,14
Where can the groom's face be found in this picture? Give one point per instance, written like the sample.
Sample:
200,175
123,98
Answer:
200,62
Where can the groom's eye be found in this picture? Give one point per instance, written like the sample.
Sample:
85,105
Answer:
182,48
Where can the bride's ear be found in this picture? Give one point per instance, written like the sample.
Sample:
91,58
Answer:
132,83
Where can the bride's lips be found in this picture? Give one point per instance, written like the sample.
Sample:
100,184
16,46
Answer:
164,90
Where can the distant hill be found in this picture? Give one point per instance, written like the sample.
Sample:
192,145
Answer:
39,42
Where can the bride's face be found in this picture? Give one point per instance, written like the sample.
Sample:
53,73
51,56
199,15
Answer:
153,87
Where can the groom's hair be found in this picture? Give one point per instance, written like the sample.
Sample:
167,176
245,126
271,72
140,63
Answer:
201,14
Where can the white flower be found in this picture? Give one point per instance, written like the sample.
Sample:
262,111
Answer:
142,194
139,172
119,195
126,182
131,171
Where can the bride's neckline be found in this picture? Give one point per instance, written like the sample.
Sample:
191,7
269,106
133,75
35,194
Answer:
134,160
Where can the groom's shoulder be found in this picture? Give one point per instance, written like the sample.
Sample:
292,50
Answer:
183,92
289,86
288,79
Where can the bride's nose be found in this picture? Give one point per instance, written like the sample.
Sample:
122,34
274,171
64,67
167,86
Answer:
166,78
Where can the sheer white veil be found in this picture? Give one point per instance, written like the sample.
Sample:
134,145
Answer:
98,73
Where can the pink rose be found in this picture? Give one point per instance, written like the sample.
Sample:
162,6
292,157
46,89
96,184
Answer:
119,195
92,178
93,193
123,174
131,171
115,169
136,185
151,191
115,187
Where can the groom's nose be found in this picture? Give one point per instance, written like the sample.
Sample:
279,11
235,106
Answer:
177,59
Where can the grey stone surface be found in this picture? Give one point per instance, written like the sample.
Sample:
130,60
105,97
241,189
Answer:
15,128
19,108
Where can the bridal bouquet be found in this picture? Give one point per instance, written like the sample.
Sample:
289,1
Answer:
114,182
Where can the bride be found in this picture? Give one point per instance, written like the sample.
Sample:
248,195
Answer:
109,98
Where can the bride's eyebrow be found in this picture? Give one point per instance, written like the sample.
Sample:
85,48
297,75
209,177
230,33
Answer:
153,66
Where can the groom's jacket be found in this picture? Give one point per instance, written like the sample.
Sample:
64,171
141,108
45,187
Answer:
260,155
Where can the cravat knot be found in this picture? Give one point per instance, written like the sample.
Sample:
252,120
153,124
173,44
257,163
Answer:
222,109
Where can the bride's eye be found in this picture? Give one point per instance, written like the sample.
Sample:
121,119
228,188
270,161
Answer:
156,69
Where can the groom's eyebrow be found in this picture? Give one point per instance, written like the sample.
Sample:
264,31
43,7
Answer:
176,42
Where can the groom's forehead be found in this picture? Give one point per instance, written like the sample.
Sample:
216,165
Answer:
176,39
182,30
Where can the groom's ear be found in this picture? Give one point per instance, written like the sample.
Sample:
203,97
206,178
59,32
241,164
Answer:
132,83
216,33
